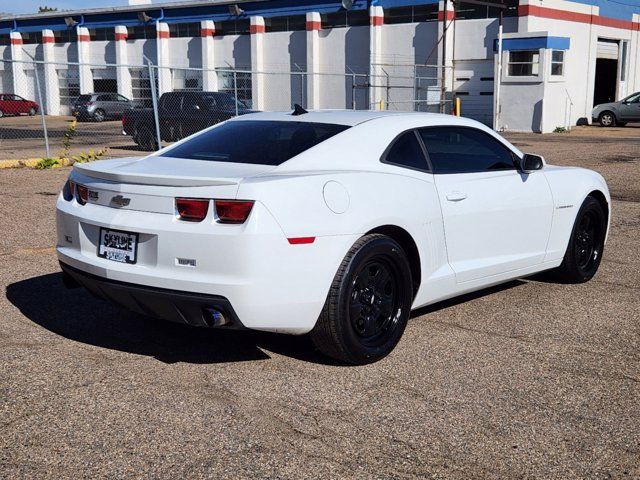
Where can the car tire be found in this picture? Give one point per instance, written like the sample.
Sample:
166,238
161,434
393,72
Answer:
32,112
586,244
147,140
99,115
368,305
1,114
607,119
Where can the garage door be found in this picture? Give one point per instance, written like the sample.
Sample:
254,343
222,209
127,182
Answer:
473,83
607,49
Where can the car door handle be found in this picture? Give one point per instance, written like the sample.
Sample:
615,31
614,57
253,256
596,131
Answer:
456,196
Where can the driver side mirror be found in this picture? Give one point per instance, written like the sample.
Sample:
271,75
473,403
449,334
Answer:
531,162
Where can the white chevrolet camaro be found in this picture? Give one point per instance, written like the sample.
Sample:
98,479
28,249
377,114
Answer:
333,223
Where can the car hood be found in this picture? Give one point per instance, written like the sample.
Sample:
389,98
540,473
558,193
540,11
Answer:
606,105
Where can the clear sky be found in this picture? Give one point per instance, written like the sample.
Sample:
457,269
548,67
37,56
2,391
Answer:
31,6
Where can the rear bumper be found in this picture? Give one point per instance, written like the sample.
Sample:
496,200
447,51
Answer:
272,285
180,307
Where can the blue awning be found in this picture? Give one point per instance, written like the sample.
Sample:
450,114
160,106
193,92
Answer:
533,43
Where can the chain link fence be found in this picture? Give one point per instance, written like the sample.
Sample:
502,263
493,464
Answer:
66,110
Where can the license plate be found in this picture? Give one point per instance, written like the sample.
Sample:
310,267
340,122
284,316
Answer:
118,246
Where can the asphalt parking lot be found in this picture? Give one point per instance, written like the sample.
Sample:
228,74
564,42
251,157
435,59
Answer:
528,380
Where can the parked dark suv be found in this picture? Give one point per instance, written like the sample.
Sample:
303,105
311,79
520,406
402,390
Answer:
180,114
100,106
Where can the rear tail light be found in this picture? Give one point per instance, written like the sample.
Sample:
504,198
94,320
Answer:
69,190
88,104
83,194
191,209
233,211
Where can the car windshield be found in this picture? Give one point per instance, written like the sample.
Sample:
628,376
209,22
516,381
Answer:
229,101
634,98
257,142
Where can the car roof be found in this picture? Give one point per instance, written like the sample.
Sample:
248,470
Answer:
355,117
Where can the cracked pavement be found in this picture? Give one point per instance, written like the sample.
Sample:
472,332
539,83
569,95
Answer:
531,379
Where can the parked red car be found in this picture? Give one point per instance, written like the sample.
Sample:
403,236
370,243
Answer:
11,104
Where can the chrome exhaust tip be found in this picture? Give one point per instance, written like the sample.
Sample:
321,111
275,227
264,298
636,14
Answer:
215,318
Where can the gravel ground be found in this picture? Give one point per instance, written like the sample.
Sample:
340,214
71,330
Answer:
527,380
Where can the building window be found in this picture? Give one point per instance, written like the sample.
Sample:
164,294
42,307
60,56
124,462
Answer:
184,30
65,36
69,86
146,32
471,11
557,62
417,13
102,34
31,37
345,18
289,23
242,89
233,27
523,63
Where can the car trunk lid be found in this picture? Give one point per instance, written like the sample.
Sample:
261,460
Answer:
152,184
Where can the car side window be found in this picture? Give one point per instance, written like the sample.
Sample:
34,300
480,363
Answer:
465,150
406,151
104,98
120,98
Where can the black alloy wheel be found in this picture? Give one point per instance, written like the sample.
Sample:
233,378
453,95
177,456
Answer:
586,245
374,300
369,303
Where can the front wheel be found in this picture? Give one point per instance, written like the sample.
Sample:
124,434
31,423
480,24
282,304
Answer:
99,115
369,303
607,119
32,112
586,245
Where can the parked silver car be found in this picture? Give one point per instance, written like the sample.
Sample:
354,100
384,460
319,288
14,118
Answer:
618,113
100,106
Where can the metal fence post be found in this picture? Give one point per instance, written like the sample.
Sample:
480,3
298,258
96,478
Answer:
44,122
235,89
154,100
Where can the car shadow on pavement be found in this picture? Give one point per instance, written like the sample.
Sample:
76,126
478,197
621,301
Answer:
77,315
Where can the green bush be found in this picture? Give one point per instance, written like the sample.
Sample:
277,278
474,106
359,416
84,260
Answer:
47,162
560,130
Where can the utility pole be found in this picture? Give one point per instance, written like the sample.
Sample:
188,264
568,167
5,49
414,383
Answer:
443,77
498,80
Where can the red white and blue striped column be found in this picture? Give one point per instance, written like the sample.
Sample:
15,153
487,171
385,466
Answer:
376,92
85,75
445,29
123,73
209,75
314,25
18,66
257,29
51,89
164,63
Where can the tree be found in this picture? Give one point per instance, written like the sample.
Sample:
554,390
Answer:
46,9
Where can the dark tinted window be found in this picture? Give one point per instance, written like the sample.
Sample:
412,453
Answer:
460,150
84,98
255,141
407,152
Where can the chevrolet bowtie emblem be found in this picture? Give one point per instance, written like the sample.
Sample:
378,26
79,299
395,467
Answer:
120,201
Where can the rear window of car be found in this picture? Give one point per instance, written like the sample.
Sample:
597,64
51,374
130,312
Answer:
84,98
257,142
